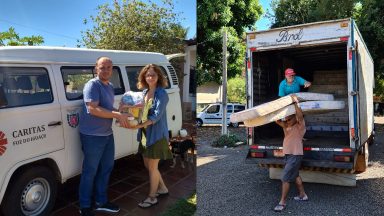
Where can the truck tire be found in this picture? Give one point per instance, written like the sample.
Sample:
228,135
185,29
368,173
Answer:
32,193
371,139
199,122
362,159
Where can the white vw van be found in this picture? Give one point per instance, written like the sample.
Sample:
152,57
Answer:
40,100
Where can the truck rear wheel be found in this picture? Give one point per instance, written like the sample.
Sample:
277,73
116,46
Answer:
362,159
32,193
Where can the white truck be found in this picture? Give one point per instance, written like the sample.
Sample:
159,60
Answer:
333,56
40,101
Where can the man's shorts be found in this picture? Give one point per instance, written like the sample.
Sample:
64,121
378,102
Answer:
291,168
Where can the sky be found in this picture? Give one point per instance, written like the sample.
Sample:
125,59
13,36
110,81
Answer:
60,22
263,23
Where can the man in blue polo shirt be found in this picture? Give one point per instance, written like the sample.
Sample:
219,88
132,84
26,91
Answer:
291,83
97,140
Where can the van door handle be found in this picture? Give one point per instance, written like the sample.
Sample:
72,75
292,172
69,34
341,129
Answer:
54,124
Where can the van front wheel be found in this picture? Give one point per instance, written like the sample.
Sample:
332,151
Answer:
32,193
199,122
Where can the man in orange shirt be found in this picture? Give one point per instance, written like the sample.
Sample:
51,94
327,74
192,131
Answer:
294,130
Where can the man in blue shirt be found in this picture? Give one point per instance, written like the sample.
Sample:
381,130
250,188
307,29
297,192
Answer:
291,83
97,140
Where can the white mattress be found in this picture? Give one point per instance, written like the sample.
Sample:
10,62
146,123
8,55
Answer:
269,107
308,107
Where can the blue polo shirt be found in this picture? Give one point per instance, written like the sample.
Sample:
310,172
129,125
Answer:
96,91
294,87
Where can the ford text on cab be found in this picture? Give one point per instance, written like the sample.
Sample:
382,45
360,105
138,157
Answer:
40,100
333,56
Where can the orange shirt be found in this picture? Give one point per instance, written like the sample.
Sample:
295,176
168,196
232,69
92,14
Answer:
293,139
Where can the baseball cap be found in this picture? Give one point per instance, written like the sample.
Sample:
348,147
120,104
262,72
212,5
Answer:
289,71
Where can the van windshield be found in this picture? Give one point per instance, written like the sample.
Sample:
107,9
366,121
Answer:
213,109
205,108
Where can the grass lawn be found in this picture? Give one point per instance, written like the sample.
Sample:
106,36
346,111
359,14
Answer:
183,207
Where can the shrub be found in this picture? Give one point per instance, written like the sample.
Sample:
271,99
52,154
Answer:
226,140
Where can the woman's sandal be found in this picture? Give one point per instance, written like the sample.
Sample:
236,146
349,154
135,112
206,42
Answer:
298,198
160,194
149,202
279,207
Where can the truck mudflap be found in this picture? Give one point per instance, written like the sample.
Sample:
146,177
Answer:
307,164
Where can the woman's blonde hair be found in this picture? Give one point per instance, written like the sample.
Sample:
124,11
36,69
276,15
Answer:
161,81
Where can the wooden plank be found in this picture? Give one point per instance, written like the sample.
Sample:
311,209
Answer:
317,77
336,90
331,72
329,81
327,119
338,113
342,179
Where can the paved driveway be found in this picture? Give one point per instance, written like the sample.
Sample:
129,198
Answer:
228,186
129,185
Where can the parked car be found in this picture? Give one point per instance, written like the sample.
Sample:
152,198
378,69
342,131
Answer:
213,114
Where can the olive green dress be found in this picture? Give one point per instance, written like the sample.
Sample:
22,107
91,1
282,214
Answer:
159,150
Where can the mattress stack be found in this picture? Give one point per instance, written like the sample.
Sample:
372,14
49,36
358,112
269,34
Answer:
330,82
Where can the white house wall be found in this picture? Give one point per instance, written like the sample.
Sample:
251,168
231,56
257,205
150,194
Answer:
190,61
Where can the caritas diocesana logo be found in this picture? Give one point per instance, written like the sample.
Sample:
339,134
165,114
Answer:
3,142
73,119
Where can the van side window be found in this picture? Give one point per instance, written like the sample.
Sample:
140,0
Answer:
75,77
239,108
25,86
229,108
133,73
213,109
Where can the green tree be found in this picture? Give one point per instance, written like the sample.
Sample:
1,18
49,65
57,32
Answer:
236,90
212,16
293,12
11,38
135,25
371,26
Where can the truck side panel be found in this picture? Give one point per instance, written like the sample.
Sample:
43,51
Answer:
364,69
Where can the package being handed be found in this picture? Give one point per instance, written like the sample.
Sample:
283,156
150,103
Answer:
133,103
